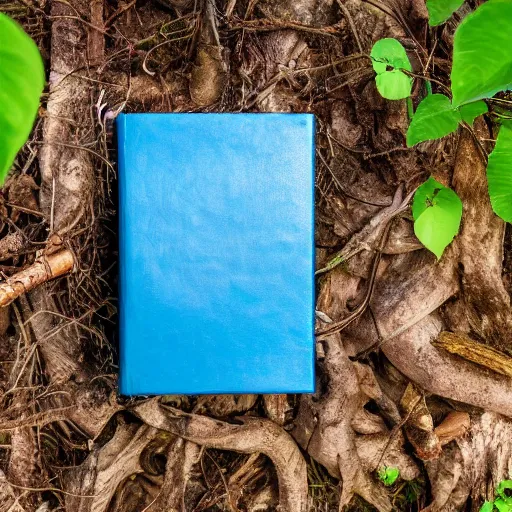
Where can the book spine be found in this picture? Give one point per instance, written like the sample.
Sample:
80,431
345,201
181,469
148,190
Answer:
313,250
121,180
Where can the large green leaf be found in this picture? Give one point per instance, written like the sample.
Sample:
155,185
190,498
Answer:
482,56
471,111
21,83
434,118
499,174
437,117
488,506
389,58
437,211
440,10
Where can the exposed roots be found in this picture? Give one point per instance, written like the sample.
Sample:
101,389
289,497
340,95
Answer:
249,435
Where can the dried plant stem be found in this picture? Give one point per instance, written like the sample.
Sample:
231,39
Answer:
44,269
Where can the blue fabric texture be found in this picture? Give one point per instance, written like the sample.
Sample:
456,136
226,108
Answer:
216,245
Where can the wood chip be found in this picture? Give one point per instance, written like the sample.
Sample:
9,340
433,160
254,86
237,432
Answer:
483,355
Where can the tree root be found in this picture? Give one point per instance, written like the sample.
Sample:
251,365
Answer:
181,457
92,485
402,305
9,499
252,435
486,303
326,430
473,465
67,176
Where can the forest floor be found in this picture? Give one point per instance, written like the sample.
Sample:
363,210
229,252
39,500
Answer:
389,394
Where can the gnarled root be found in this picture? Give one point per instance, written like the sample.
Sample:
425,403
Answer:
472,465
252,435
325,428
92,485
485,301
403,302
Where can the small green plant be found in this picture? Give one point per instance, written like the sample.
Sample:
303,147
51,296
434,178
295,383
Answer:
482,67
388,476
502,502
21,83
389,60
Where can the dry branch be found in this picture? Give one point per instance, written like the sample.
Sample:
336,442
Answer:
43,270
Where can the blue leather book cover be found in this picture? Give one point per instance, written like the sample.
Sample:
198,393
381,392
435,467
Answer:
216,253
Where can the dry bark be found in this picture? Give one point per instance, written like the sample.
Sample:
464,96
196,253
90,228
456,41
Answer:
486,303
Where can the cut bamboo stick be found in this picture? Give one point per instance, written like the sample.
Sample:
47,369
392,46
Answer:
43,269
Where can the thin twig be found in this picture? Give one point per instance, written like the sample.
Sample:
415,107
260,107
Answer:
352,25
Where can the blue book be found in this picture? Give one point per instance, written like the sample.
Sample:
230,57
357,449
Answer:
216,248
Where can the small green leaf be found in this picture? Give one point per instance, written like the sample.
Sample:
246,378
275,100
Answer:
388,58
482,60
388,476
499,176
394,85
435,117
389,52
471,111
488,506
437,211
21,83
440,10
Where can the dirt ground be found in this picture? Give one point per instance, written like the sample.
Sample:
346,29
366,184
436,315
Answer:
391,391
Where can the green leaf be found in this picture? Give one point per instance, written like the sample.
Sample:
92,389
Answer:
488,506
388,58
435,117
440,10
21,83
389,52
499,176
502,505
394,85
437,211
471,111
482,60
388,476
503,486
